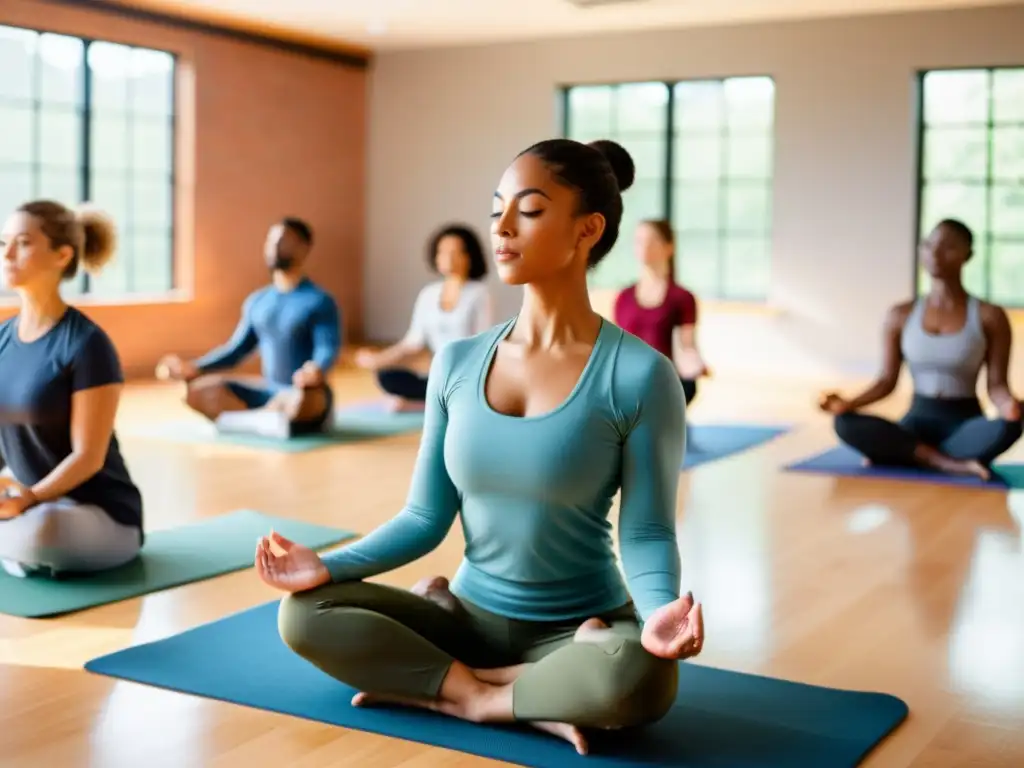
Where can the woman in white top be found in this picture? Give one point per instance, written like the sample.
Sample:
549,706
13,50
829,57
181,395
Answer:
454,307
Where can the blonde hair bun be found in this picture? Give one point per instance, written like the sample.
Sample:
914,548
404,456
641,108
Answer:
100,237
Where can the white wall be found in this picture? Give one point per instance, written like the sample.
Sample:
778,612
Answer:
445,123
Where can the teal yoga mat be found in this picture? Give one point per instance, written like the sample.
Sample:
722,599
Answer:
721,719
169,559
355,423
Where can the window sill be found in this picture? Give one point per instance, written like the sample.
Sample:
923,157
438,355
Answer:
725,307
131,300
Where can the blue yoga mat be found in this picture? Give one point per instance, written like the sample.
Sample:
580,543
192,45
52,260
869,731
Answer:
846,462
354,423
710,442
722,719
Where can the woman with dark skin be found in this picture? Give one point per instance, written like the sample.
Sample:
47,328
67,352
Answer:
530,430
454,307
944,338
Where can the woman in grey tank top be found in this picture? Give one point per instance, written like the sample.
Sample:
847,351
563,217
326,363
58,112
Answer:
944,338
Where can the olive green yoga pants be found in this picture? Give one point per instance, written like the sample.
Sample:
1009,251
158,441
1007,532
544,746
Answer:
379,639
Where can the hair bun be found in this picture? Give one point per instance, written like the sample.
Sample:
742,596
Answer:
620,161
100,240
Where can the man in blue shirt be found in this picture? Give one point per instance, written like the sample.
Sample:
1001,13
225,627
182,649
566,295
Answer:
295,325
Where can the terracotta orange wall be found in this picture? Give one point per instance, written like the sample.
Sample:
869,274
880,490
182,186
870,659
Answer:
263,133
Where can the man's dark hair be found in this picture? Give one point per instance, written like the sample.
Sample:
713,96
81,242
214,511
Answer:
300,228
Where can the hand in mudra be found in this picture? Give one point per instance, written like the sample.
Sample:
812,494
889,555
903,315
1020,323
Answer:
173,368
1010,411
288,566
692,365
366,359
309,376
676,630
834,404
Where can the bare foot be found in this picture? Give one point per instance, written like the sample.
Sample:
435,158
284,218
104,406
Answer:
965,468
436,590
462,695
479,696
940,462
469,708
977,469
570,733
591,631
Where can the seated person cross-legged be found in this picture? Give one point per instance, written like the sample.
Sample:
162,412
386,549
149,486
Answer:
454,307
945,338
659,310
295,325
530,430
68,505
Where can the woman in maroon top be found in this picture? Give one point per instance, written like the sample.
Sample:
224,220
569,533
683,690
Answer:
660,311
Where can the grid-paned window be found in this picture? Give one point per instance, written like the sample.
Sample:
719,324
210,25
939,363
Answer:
89,120
704,156
972,169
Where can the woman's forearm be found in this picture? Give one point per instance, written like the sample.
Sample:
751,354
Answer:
687,357
1001,396
66,476
877,391
395,354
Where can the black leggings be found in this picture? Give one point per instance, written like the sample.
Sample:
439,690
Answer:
403,383
689,389
957,428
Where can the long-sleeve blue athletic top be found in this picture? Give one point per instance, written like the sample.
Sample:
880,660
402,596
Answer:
534,492
289,328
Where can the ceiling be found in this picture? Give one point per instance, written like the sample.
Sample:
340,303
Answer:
393,24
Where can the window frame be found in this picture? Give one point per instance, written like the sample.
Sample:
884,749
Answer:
85,169
921,180
724,180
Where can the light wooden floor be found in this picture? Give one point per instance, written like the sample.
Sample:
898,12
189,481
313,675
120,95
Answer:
913,590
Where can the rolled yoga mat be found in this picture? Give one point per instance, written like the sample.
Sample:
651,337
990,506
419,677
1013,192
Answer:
710,442
843,461
352,423
169,558
722,719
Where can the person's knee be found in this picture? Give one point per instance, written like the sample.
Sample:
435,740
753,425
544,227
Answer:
41,534
296,622
308,622
846,427
633,687
390,380
310,405
204,395
1012,430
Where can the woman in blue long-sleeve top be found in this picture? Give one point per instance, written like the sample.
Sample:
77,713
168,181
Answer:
531,428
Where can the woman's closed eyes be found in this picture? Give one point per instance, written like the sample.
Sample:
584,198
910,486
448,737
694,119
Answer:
527,214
